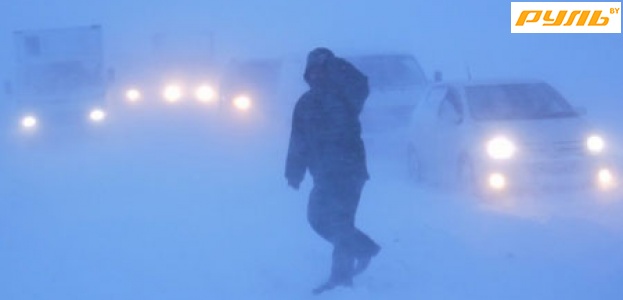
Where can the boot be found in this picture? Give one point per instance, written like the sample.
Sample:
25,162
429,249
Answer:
364,259
331,284
341,271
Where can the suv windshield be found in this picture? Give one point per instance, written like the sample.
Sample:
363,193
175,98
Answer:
390,71
517,102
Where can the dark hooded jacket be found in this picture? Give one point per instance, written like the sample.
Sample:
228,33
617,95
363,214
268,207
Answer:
326,133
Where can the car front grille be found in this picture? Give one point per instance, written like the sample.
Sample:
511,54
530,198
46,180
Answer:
555,149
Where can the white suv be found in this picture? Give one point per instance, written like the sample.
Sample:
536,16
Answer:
493,137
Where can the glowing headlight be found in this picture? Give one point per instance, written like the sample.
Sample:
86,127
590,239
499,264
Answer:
133,95
29,122
595,144
97,115
605,178
497,181
242,102
172,93
205,93
500,148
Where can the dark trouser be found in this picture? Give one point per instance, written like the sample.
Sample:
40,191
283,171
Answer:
331,213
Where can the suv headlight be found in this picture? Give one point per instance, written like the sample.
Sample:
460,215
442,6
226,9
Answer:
29,122
242,102
500,148
205,93
97,115
172,93
595,144
133,95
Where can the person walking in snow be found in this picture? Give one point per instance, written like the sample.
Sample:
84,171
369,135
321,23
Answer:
325,140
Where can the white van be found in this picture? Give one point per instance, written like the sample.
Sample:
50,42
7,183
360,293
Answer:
493,137
59,77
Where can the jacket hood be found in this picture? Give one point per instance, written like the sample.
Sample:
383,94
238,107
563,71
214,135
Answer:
316,59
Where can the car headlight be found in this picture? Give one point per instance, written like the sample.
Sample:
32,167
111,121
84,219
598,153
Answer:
205,93
97,115
497,181
500,148
242,102
29,122
595,144
605,178
172,93
133,95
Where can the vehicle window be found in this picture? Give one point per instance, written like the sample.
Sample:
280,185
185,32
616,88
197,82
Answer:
450,109
431,104
390,71
517,101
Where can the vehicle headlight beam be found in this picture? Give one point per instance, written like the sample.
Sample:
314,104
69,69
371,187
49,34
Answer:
133,95
497,181
29,122
205,93
172,93
605,178
242,102
595,144
501,148
97,115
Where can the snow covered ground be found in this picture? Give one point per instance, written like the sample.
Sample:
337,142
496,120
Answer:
171,205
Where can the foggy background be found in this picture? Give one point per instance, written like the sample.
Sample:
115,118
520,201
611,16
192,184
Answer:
450,36
173,212
444,35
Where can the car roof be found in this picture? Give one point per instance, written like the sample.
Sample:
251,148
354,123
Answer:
362,55
470,83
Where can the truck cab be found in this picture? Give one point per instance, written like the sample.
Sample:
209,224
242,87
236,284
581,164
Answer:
59,78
